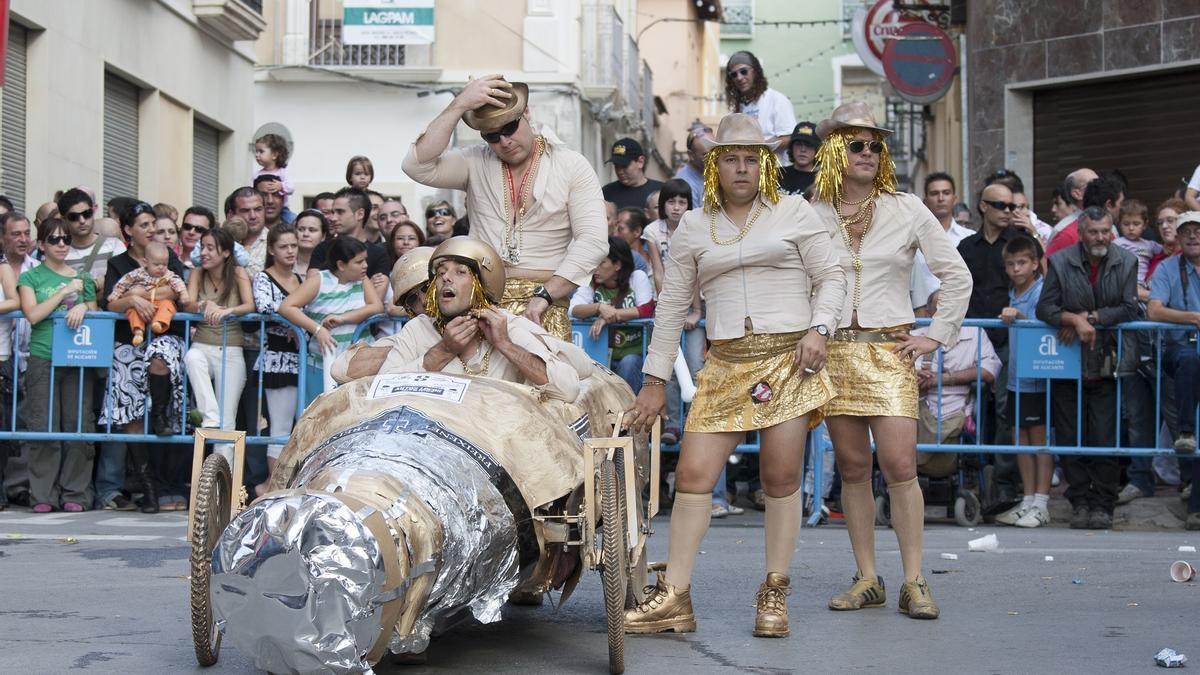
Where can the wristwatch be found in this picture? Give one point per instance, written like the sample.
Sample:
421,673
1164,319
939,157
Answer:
541,292
821,329
1092,318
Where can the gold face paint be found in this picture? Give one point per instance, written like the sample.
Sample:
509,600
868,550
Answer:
833,158
768,175
479,300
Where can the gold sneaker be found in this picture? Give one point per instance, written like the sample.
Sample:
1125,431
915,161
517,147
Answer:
771,602
861,594
666,608
916,600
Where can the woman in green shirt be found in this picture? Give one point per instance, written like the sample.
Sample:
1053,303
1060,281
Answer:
60,472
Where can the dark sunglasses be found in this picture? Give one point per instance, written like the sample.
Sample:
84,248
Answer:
857,146
189,227
139,208
740,72
1001,206
81,215
410,299
506,131
440,211
56,239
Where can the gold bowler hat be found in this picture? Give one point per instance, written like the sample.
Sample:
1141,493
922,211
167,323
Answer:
411,271
852,114
479,256
488,117
738,129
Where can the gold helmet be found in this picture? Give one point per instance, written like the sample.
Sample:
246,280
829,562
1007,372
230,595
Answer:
410,271
479,256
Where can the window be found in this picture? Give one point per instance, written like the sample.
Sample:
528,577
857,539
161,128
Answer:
120,138
205,173
739,19
12,116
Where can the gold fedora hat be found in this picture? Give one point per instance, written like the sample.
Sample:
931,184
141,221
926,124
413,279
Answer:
852,114
738,129
489,117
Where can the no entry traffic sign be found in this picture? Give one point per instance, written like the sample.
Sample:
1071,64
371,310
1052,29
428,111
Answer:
919,62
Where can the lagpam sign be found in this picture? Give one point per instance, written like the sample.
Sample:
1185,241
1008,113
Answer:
387,22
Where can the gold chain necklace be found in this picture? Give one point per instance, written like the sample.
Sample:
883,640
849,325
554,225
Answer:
512,231
863,215
742,232
487,355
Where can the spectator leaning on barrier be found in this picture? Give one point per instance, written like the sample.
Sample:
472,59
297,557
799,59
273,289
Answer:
1175,298
60,472
1088,287
88,248
618,293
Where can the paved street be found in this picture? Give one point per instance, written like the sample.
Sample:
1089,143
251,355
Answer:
116,602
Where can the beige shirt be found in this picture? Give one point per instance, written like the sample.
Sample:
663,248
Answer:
783,276
902,225
565,229
419,335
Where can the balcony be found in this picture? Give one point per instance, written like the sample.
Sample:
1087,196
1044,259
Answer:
601,36
234,19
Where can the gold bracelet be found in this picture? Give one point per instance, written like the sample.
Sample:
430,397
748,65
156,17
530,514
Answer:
654,383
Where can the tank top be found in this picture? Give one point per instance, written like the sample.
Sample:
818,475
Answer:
211,335
334,298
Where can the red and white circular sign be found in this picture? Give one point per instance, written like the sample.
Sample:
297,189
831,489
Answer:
871,28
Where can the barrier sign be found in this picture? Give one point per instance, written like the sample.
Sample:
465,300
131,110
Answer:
387,22
597,349
90,345
1040,355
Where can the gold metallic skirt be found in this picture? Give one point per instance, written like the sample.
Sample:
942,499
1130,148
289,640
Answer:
870,380
753,382
518,293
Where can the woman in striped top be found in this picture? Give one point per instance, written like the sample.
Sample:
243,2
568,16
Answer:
330,305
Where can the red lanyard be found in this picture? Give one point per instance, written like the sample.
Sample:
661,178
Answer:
514,192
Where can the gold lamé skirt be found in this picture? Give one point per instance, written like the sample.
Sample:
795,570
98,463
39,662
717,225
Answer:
753,382
518,293
870,380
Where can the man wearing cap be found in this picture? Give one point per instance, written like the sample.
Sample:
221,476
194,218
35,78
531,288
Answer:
802,150
632,187
1175,298
531,199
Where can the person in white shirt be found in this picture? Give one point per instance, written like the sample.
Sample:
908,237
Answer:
747,92
940,198
88,247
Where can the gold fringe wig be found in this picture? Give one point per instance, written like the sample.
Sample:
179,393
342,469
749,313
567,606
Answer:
479,300
768,175
832,159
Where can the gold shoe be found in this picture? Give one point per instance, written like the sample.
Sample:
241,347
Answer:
862,593
916,600
666,608
771,602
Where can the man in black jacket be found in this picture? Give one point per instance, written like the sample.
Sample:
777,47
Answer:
1088,287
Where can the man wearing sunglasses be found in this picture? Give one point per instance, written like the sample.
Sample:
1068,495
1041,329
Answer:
746,91
88,248
537,202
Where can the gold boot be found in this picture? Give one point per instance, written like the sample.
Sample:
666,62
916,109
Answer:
771,602
666,608
917,601
862,593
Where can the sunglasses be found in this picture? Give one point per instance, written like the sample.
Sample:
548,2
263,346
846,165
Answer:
741,72
57,239
857,146
1001,206
410,299
188,227
506,131
81,215
441,211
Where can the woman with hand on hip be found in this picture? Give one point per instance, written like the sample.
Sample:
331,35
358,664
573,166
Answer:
765,263
876,232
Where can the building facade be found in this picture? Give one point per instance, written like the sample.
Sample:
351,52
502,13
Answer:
145,98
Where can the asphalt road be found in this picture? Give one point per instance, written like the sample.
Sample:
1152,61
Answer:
115,601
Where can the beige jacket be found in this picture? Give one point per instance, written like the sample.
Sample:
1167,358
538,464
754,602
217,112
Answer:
902,226
783,276
565,229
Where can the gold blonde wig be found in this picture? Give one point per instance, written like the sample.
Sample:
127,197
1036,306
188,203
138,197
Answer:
768,175
833,158
479,300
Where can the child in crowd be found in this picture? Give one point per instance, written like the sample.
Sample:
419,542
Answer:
360,172
150,278
271,154
237,228
1023,265
1135,217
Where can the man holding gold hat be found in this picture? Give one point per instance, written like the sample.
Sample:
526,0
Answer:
534,201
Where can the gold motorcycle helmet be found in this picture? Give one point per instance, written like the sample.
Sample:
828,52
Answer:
477,255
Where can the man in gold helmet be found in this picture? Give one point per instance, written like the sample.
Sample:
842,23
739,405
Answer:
531,198
464,332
